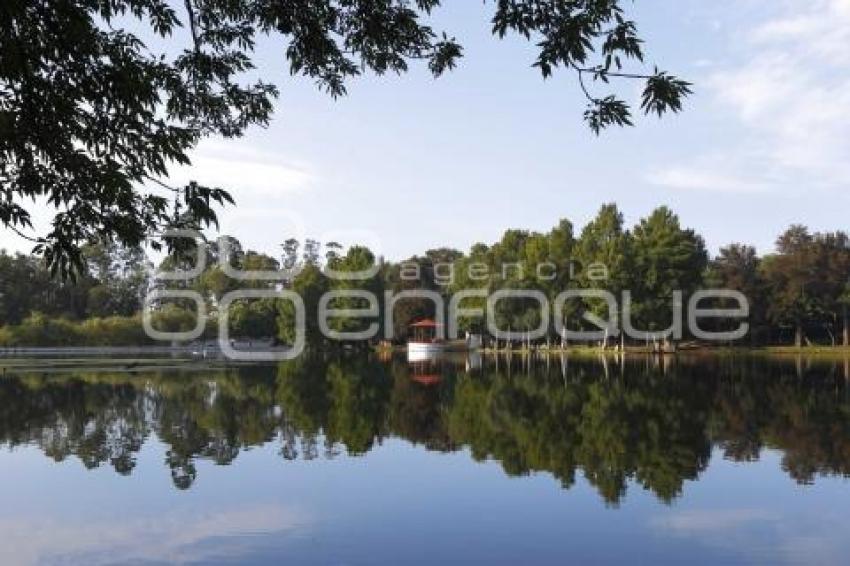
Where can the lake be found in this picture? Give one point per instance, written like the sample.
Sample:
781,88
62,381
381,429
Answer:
359,460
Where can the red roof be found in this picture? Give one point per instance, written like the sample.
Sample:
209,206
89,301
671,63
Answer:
425,323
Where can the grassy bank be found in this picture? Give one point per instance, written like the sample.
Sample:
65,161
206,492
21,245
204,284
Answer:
825,351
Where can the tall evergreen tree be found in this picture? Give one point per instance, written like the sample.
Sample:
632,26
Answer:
667,258
605,254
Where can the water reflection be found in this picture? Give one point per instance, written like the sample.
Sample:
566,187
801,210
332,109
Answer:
173,537
648,421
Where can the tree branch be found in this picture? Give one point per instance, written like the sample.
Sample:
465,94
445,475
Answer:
162,184
584,87
192,27
22,235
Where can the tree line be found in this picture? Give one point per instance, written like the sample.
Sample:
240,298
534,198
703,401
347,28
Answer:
798,294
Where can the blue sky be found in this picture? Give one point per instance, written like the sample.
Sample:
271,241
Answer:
408,163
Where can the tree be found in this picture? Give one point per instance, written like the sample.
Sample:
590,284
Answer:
604,249
791,277
332,253
833,288
667,258
93,118
399,277
254,318
312,251
310,284
739,268
17,281
513,262
26,287
467,277
120,275
290,253
356,259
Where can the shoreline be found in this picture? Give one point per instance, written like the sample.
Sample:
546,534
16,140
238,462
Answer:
837,351
193,351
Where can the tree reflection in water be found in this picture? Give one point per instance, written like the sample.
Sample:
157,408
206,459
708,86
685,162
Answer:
615,421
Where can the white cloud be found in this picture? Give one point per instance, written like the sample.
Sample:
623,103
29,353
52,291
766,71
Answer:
712,520
794,27
761,535
789,100
243,169
261,183
818,28
177,536
703,179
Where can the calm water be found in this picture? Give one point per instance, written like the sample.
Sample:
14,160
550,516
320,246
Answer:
362,461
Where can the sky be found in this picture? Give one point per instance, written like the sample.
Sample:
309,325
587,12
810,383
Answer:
404,164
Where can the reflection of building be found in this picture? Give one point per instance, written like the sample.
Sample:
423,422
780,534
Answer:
425,367
425,373
429,368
